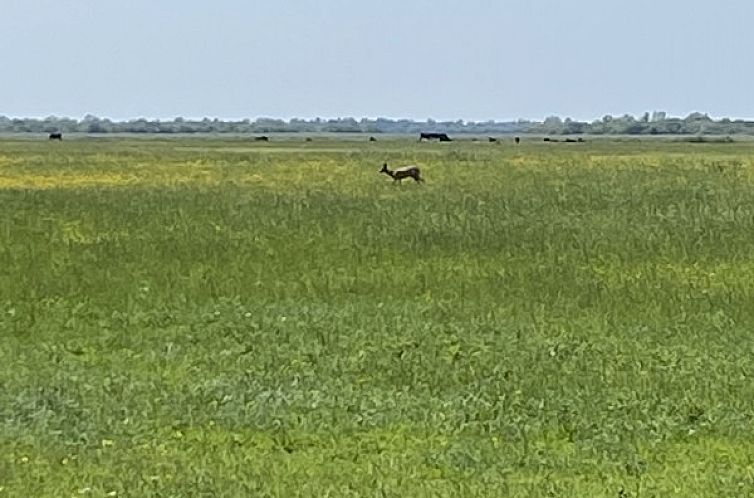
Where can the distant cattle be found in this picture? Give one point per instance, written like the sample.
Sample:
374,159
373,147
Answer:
263,138
566,140
492,139
372,139
517,139
442,137
308,139
56,136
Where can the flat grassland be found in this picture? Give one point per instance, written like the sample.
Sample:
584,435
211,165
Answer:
218,317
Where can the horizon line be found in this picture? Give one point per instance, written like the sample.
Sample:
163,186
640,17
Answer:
326,118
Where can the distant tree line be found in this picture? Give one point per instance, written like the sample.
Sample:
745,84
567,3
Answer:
657,123
93,124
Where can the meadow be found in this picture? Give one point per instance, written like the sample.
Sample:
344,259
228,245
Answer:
217,317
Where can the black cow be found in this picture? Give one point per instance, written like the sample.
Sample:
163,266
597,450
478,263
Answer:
263,138
517,139
56,136
372,139
442,137
492,139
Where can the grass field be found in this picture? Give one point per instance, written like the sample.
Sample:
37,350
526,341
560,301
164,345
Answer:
217,317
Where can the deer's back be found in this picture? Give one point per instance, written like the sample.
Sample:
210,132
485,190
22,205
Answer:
407,170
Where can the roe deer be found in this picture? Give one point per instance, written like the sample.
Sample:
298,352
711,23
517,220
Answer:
404,172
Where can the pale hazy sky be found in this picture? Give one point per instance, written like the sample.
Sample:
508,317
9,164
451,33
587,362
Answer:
472,59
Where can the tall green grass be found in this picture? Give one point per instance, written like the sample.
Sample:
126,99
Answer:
203,317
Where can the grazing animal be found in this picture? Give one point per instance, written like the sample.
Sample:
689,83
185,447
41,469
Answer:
372,139
263,138
404,172
308,139
492,139
56,136
442,137
517,139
